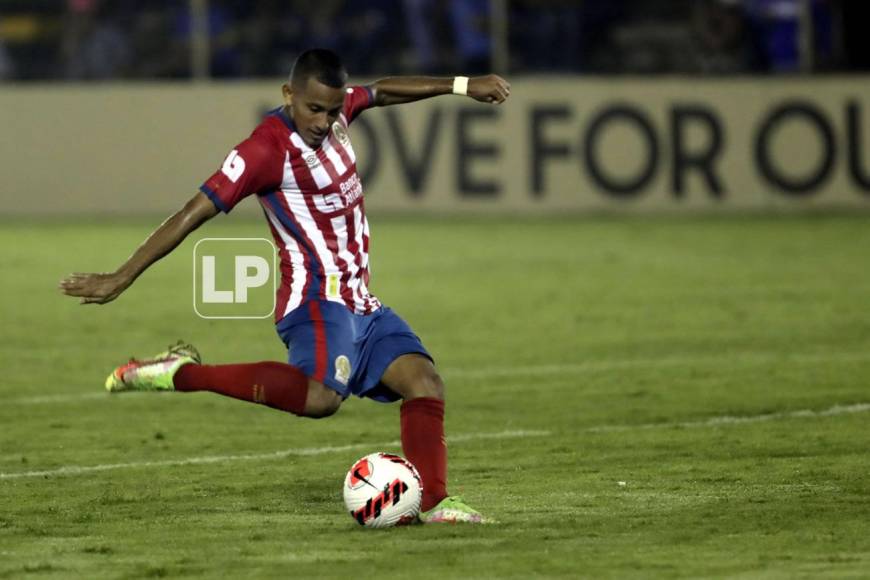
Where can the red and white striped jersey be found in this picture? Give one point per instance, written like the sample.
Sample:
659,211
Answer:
313,201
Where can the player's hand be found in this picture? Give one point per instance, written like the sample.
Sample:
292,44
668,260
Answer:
489,89
94,288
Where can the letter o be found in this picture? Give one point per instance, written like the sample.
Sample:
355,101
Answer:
800,186
631,186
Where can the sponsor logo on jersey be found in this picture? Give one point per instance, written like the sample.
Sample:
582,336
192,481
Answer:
351,189
311,159
342,369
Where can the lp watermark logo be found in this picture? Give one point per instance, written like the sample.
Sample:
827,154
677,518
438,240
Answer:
234,277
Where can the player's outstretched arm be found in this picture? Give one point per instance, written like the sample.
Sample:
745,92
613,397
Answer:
105,287
397,90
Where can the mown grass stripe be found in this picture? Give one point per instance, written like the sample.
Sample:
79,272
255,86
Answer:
739,419
303,451
537,370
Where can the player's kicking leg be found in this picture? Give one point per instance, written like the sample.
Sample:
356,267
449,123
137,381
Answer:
286,387
277,385
413,376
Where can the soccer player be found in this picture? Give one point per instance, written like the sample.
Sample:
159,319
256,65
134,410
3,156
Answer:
301,166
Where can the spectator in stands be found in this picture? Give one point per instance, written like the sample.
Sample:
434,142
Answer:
261,47
418,19
776,24
724,45
470,19
151,39
564,35
7,68
223,33
372,35
93,44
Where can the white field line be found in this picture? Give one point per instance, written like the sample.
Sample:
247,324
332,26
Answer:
589,366
53,398
531,371
723,420
739,419
301,451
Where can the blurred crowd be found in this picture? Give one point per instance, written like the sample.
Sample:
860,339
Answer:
146,39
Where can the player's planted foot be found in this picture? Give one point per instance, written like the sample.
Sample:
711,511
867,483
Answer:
452,510
154,374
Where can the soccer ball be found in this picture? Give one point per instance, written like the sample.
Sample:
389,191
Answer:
383,490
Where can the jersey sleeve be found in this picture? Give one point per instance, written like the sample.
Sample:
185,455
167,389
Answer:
254,166
357,100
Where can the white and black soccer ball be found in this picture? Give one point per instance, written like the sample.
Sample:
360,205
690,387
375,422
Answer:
383,490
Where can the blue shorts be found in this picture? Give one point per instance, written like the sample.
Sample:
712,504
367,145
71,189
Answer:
347,352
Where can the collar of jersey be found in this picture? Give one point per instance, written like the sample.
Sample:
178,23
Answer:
279,112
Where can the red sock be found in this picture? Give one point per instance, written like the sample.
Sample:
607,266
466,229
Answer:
424,446
277,385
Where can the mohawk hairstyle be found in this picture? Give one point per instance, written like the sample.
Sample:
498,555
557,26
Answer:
322,64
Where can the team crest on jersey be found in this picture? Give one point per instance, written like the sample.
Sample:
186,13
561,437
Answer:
340,133
342,369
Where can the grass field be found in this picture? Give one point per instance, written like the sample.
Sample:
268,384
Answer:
717,367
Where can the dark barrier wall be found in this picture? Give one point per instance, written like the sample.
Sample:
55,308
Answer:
557,145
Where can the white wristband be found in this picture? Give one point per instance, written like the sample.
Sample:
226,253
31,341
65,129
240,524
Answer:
460,85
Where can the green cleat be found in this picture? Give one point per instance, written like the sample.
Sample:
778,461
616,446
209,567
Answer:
154,374
452,510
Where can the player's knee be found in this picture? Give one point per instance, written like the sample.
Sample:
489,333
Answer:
326,407
427,383
321,401
436,386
